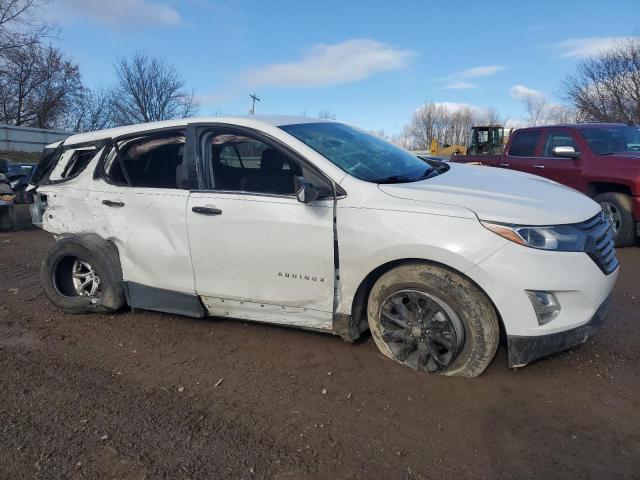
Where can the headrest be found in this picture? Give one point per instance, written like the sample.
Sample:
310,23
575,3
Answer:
271,160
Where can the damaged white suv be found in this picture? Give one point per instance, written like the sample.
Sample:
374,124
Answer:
319,225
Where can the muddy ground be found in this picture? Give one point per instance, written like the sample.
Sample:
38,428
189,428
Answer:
148,395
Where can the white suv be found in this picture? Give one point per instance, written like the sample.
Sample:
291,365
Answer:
319,225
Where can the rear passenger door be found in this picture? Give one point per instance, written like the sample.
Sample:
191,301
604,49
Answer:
523,153
563,170
140,205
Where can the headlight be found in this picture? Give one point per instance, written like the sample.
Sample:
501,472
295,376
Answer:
565,238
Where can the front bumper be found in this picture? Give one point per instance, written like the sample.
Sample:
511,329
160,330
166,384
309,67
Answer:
524,350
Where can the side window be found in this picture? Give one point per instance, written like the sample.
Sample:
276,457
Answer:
524,143
245,164
147,162
72,162
78,162
558,138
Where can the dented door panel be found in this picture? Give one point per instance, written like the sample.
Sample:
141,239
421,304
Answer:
149,228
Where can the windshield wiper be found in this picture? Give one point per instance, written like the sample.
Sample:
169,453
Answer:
393,179
428,173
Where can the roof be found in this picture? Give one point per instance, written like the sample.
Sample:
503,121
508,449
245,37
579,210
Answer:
579,126
245,120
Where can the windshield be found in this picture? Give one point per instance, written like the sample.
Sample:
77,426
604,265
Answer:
608,140
360,154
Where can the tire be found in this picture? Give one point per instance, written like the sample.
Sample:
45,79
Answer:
465,310
56,274
7,218
619,207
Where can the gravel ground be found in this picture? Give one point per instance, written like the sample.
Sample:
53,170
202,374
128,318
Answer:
149,395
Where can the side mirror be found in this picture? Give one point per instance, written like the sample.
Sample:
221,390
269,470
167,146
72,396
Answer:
565,152
305,192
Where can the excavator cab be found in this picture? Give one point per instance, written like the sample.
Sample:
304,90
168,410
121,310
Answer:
488,140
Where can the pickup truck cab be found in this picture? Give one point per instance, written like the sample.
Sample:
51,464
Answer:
319,225
601,160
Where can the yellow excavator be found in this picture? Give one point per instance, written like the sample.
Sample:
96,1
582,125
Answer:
440,149
488,140
484,139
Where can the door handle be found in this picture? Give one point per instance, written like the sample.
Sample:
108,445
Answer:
111,203
206,210
538,166
504,165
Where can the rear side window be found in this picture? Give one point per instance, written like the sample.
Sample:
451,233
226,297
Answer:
71,163
78,162
147,162
241,152
524,143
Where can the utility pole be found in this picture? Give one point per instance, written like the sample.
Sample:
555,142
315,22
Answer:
254,99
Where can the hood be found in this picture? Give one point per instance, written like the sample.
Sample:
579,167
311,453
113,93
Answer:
499,195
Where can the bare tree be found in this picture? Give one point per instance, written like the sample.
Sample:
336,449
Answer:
149,89
327,114
38,86
447,125
535,105
22,24
606,88
93,110
492,116
557,114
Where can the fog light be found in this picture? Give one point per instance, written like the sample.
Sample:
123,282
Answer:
545,305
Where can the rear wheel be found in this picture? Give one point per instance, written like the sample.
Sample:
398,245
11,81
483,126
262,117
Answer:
618,208
81,274
434,320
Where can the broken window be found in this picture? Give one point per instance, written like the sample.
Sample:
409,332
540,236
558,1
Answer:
147,162
78,162
71,163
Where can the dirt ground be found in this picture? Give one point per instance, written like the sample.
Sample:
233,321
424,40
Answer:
148,395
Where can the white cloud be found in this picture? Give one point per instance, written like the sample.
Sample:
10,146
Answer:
460,80
117,12
460,85
455,106
325,65
512,122
522,91
586,47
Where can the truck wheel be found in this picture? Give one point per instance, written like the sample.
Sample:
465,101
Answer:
82,274
618,207
432,319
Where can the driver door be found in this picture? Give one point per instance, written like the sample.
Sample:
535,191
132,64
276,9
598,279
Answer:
259,253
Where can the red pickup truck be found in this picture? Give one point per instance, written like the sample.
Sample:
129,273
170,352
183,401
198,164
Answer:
601,160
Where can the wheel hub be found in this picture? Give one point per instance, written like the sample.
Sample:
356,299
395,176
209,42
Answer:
613,214
421,330
85,279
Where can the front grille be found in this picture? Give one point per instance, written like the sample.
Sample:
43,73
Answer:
600,245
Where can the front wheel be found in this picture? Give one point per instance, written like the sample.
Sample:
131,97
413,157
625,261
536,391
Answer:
434,320
619,209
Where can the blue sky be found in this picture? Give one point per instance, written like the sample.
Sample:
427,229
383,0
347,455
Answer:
372,63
